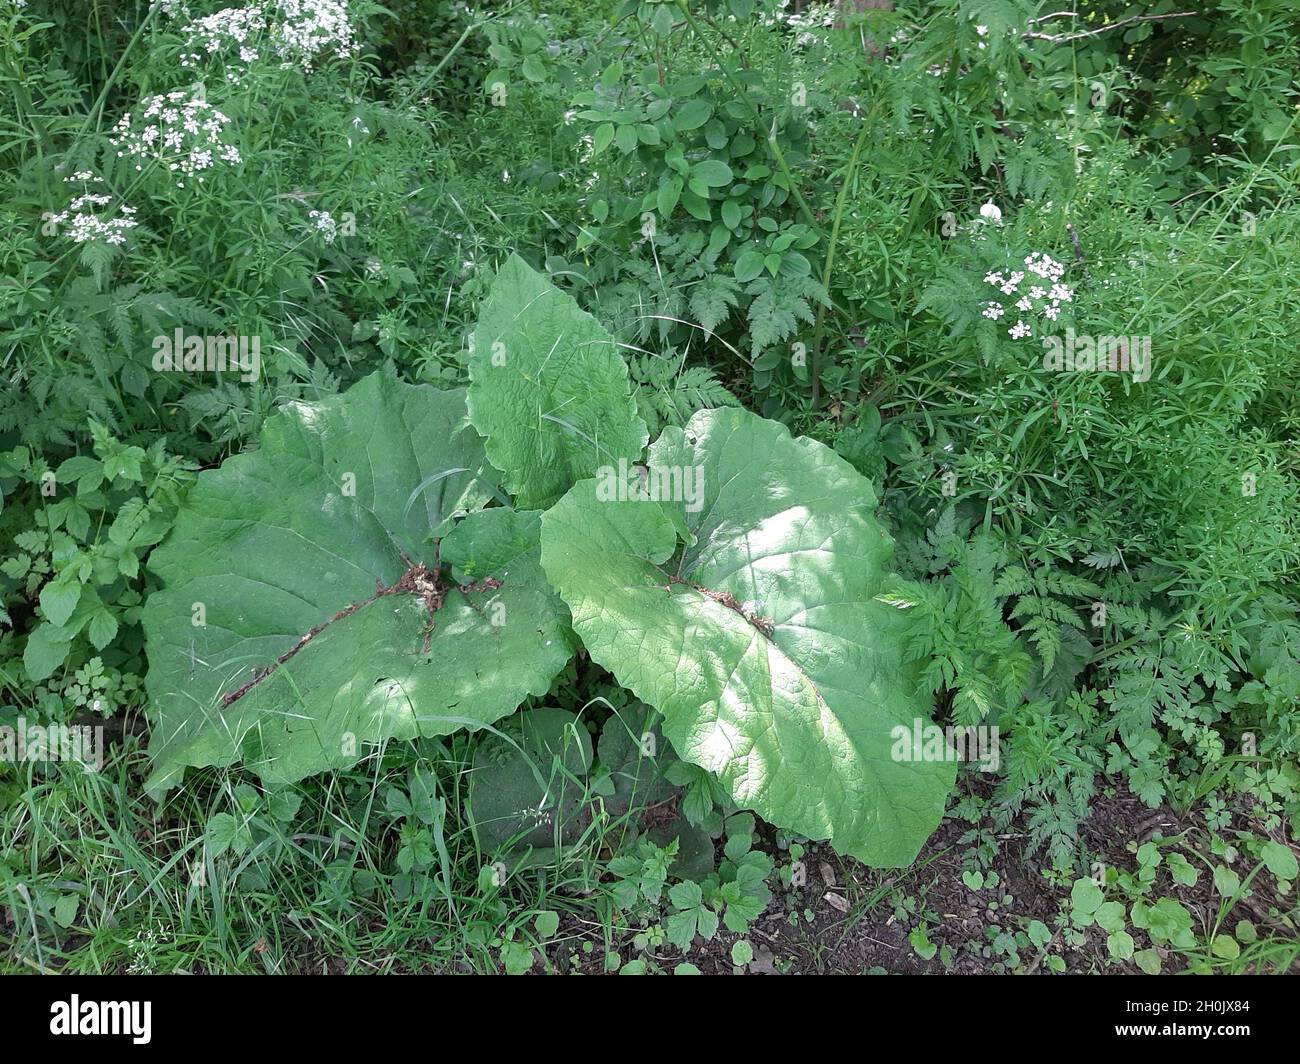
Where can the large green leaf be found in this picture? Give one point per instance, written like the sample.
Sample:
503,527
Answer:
327,623
526,786
758,635
548,388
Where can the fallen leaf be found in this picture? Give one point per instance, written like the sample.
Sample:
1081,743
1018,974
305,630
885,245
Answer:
828,874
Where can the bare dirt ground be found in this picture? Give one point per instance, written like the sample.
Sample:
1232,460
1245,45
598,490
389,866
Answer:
849,919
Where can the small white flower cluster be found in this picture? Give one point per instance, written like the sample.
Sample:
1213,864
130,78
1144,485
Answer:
83,220
238,26
296,33
803,20
325,225
181,129
1038,298
311,27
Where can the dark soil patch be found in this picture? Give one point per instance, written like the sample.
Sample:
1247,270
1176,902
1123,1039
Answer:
850,919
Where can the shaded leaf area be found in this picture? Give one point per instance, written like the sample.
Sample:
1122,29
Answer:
303,616
528,783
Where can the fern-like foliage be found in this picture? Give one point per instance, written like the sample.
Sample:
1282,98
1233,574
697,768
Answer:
669,392
956,630
1040,605
779,305
1051,760
713,298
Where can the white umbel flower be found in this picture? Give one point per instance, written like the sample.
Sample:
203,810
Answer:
94,218
296,33
1038,299
181,130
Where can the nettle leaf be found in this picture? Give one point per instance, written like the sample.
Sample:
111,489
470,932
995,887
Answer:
307,612
548,388
732,586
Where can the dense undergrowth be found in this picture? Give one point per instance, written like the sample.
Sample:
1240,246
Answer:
1033,277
